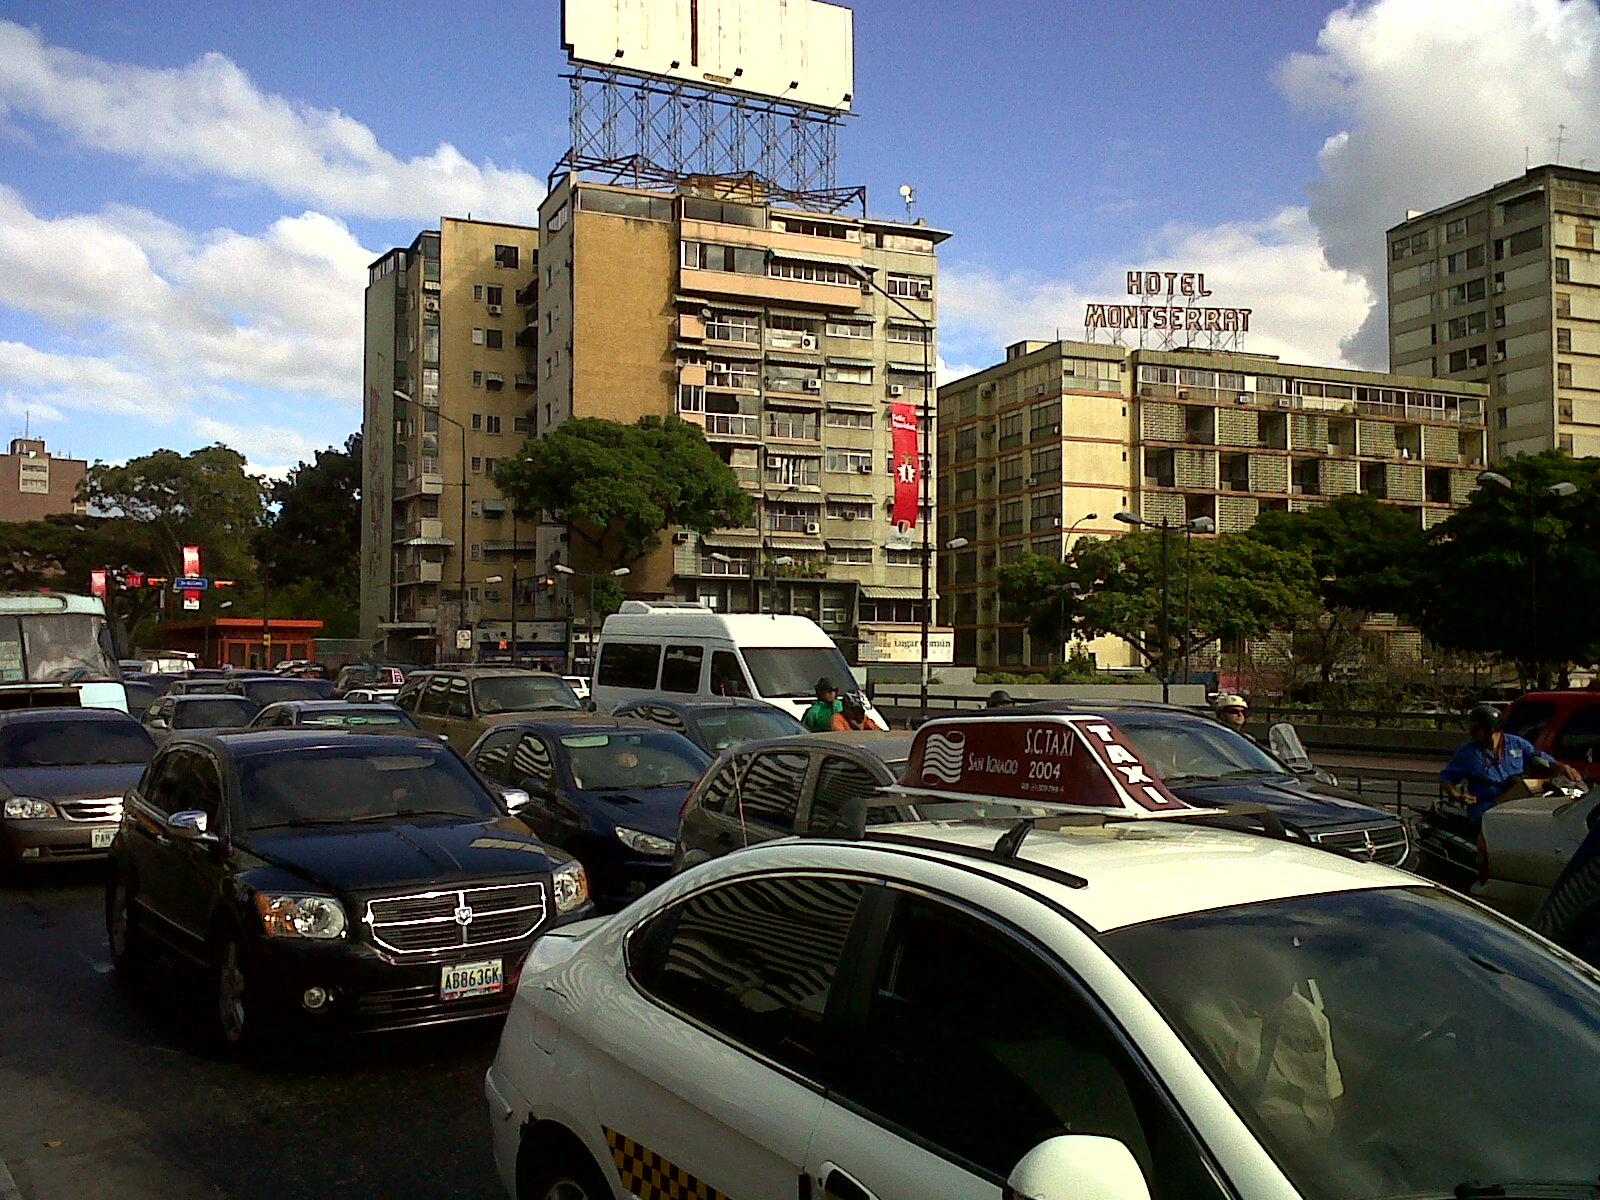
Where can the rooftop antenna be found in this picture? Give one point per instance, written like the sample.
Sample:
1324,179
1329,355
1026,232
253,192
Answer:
1560,140
909,195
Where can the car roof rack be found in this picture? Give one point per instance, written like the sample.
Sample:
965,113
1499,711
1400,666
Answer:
1003,851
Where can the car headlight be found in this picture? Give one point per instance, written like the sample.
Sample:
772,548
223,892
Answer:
571,887
26,808
296,916
645,843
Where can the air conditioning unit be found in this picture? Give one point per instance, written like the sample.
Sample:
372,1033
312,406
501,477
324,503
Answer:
430,304
1056,523
808,343
1243,398
1499,286
1029,481
924,293
681,538
988,433
1499,356
1285,402
988,476
495,310
864,469
848,514
866,287
813,385
813,527
896,389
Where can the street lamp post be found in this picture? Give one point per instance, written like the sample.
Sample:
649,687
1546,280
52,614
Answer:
591,576
461,549
1066,546
1164,629
1559,491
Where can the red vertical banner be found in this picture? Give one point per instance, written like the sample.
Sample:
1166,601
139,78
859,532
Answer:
97,584
907,465
191,560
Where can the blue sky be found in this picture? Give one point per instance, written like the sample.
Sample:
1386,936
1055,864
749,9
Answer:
189,193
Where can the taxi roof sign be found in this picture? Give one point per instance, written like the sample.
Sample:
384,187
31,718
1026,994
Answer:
1067,762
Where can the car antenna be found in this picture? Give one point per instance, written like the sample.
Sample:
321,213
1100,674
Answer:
1010,843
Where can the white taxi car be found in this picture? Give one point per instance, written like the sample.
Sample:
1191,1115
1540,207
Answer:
1093,1005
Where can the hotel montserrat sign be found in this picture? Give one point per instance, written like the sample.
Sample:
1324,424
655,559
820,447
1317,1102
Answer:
1158,292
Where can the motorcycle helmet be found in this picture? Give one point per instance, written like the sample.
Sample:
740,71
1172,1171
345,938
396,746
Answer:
1483,716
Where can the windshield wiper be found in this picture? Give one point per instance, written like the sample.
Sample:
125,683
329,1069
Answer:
1520,1189
402,813
303,823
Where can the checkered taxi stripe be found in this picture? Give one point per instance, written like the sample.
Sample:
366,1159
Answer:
650,1177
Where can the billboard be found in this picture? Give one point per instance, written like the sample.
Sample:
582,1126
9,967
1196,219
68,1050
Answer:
797,50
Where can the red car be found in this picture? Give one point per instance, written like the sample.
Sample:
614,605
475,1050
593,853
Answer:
1564,725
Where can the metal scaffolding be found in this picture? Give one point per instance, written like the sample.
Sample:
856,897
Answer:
645,131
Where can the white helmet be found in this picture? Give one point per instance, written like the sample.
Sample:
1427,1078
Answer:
1227,701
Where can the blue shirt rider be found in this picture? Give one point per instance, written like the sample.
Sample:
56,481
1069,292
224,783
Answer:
1480,773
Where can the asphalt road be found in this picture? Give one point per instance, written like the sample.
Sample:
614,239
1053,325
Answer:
107,1093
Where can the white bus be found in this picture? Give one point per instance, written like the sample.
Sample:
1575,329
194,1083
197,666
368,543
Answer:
664,648
56,650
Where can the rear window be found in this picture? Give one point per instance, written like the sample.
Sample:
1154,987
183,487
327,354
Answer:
524,693
74,743
270,691
723,727
219,712
358,718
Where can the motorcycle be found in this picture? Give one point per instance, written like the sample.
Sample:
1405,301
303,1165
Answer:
1450,841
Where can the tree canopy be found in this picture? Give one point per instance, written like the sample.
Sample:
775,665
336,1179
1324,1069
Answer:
59,552
1367,555
309,547
1231,587
620,485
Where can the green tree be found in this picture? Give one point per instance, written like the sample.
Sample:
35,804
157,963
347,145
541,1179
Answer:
204,498
59,552
620,485
310,546
1515,572
1231,586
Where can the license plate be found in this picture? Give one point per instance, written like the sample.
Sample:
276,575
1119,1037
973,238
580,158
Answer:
463,980
101,839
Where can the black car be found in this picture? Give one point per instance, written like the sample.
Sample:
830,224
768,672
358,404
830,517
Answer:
347,880
270,689
200,710
359,675
210,684
605,790
713,723
63,772
784,786
1208,764
334,714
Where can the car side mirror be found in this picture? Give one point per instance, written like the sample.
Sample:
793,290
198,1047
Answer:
190,825
445,738
1077,1166
589,705
515,798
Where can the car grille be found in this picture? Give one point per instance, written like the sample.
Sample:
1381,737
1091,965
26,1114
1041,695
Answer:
449,920
98,808
1386,844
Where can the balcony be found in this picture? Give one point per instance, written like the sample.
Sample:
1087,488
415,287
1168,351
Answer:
525,381
732,425
431,528
423,572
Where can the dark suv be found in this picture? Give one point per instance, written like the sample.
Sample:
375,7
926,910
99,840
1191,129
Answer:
463,702
346,879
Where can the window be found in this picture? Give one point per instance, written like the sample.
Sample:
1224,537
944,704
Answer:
494,339
850,554
842,327
914,287
770,790
477,291
1466,260
1045,420
532,760
708,256
795,426
1046,465
491,424
477,379
507,256
430,344
477,337
1564,340
839,781
847,373
842,419
477,420
811,272
1460,327
1011,429
1467,293
1405,247
1010,517
754,960
628,664
817,229
495,753
1563,270
458,700
720,213
680,669
1046,511
734,327
1583,237
1564,374
915,334
492,294
906,558
1563,304
477,464
1519,243
1522,207
727,676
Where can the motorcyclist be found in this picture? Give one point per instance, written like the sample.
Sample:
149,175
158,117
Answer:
1233,711
1491,766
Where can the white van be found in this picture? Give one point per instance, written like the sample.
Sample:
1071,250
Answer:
678,649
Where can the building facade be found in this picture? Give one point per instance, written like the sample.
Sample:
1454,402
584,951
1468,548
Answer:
448,392
1504,288
1050,444
35,483
786,335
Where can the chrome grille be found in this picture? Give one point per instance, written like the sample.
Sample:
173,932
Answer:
85,808
452,918
1385,844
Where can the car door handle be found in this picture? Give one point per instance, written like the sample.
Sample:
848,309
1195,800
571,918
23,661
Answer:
838,1182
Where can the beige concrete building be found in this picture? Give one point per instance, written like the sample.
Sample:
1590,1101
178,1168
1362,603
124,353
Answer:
35,483
786,335
1504,288
1029,448
448,391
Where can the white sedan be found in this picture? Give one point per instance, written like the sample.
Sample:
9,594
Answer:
1093,1012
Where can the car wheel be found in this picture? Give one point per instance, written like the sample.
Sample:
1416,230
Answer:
129,944
1571,913
236,1017
566,1176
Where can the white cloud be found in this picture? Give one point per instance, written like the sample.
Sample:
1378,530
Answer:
209,118
1438,101
271,450
1302,308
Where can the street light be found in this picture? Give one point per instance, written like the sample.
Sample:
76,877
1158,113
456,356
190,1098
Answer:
591,576
1193,525
1556,491
1066,546
461,550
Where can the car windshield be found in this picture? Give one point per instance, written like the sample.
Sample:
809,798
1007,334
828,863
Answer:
214,712
270,691
793,671
73,743
523,693
1195,750
723,727
341,784
56,648
1384,1043
356,718
635,758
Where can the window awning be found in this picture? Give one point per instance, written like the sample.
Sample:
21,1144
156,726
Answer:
869,406
809,544
891,593
837,260
718,537
847,541
422,541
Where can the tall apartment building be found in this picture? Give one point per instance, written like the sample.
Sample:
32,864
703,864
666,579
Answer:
1504,288
784,334
1029,448
35,483
448,388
